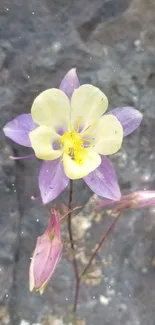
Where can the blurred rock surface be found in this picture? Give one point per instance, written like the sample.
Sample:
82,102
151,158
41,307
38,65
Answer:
112,44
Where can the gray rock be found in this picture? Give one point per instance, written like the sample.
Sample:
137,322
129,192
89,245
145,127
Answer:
112,44
9,224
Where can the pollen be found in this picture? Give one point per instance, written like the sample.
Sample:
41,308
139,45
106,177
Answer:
73,145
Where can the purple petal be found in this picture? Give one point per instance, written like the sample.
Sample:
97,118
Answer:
18,129
70,82
103,181
52,180
129,117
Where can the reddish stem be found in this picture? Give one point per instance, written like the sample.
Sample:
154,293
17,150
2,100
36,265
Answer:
99,246
74,261
75,266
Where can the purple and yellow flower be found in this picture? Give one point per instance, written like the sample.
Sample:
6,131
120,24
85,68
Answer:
67,128
47,254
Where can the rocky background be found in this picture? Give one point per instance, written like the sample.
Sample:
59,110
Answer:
112,44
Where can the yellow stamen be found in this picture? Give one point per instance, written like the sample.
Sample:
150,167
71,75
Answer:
74,146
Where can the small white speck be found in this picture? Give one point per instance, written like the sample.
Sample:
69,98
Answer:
28,77
15,191
37,220
32,12
137,43
144,270
19,37
124,157
24,322
0,270
94,297
145,178
86,224
66,298
31,258
129,296
7,295
104,300
22,232
13,184
7,9
56,46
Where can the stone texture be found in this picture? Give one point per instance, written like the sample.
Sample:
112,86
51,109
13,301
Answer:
9,225
112,44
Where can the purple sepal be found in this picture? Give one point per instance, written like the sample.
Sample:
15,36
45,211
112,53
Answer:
69,83
52,180
19,128
129,117
103,181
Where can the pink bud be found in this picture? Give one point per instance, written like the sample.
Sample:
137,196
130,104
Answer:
47,254
136,200
142,199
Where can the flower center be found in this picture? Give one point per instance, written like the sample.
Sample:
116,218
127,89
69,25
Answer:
74,146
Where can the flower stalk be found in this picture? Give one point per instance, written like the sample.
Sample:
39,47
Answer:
79,276
75,266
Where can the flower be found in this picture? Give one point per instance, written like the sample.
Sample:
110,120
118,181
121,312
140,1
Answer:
47,254
142,199
135,200
67,129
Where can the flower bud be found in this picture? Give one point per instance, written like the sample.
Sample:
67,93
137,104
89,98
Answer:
47,254
135,200
142,199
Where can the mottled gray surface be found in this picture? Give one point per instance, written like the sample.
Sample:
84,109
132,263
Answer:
112,44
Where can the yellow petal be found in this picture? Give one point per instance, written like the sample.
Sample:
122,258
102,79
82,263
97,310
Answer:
75,171
51,108
108,135
42,288
88,105
42,140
